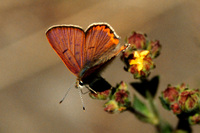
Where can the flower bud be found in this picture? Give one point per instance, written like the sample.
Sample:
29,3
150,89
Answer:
182,87
195,119
137,41
111,106
189,100
121,96
175,108
170,95
122,86
154,47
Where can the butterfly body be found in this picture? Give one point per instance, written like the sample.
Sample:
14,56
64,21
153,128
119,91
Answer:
84,52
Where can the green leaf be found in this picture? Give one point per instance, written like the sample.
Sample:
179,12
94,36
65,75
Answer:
140,106
180,131
166,127
142,112
164,104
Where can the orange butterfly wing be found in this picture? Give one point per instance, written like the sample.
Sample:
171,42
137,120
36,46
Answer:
69,43
84,52
101,44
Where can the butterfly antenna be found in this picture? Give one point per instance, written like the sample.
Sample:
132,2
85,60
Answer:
81,99
65,94
126,46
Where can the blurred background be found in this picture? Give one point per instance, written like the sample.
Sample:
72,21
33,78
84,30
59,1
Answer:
33,79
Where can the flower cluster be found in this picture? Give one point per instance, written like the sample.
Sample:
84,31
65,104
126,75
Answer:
139,55
182,100
119,99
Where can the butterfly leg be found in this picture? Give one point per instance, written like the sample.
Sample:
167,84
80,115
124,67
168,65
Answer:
90,89
84,92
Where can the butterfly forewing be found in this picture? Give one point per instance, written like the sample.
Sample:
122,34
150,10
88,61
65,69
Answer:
100,41
78,45
69,43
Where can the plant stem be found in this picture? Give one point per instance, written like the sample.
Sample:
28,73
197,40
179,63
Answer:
154,110
183,124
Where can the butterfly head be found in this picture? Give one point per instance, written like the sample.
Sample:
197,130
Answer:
79,84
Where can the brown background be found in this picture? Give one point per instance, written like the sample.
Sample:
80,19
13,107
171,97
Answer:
33,78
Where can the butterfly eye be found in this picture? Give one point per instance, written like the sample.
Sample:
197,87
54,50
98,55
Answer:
81,83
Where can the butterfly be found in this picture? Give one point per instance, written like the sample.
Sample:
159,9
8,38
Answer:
85,52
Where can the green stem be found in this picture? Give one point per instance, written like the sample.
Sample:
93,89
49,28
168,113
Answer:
150,100
161,126
154,110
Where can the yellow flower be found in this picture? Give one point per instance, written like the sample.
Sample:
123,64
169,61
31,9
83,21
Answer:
138,59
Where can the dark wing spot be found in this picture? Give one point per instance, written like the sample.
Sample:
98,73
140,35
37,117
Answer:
90,47
77,53
65,51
